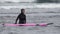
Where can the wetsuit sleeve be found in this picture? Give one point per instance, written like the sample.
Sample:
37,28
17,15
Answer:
17,19
25,18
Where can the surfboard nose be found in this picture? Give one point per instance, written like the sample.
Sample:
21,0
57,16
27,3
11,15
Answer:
50,23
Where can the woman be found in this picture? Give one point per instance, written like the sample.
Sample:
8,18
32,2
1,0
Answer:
21,17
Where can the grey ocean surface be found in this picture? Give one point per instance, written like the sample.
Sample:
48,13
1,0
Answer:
33,15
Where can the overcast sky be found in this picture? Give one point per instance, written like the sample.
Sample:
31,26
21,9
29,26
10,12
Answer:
18,0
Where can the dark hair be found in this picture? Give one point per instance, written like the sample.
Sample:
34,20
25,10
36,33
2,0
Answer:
22,10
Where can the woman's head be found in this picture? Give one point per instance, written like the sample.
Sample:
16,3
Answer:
22,10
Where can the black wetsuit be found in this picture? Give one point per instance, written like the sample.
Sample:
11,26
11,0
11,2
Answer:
22,19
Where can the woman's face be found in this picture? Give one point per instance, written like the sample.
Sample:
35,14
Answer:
23,11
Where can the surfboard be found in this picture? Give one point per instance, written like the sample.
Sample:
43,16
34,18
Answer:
42,24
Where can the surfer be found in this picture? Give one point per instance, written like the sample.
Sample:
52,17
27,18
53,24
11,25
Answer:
21,17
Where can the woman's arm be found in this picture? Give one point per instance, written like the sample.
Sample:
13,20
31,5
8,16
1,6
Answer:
17,19
25,18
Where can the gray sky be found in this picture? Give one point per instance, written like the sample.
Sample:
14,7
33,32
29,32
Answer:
18,0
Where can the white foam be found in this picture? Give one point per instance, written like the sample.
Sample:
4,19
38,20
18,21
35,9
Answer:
33,6
17,0
48,6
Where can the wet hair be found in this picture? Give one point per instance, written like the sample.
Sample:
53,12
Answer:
22,10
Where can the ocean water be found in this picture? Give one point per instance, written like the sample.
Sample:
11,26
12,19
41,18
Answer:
33,15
